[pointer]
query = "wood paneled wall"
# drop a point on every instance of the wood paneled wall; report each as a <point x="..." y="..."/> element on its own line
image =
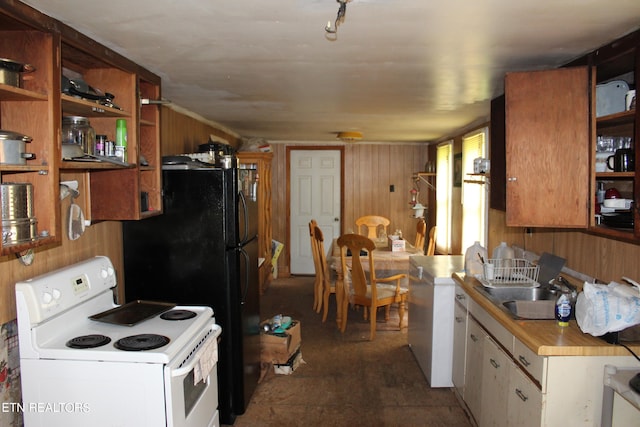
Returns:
<point x="181" y="133"/>
<point x="370" y="170"/>
<point x="104" y="238"/>
<point x="603" y="258"/>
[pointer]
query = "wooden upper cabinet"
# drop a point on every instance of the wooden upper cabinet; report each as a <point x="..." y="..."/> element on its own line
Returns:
<point x="33" y="110"/>
<point x="548" y="143"/>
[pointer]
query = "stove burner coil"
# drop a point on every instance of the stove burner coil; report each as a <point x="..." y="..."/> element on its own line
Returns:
<point x="88" y="341"/>
<point x="178" y="315"/>
<point x="141" y="342"/>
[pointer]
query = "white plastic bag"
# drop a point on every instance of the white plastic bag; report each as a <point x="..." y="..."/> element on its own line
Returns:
<point x="607" y="308"/>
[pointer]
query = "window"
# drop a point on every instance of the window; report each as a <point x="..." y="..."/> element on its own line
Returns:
<point x="474" y="195"/>
<point x="444" y="183"/>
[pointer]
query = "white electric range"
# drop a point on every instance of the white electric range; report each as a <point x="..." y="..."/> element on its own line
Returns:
<point x="86" y="361"/>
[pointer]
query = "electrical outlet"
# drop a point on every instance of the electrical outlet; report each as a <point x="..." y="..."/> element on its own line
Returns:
<point x="392" y="188"/>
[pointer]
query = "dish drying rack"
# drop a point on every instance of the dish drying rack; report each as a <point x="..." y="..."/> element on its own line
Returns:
<point x="499" y="273"/>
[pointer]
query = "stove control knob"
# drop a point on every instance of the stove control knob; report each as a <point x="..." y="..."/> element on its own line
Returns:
<point x="56" y="294"/>
<point x="47" y="297"/>
<point x="107" y="272"/>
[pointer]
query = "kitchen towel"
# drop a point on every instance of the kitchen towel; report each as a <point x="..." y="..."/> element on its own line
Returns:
<point x="207" y="361"/>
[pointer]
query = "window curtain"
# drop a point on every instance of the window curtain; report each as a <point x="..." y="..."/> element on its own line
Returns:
<point x="474" y="195"/>
<point x="444" y="188"/>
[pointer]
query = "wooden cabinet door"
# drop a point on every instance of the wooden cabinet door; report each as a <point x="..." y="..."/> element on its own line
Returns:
<point x="473" y="367"/>
<point x="459" y="346"/>
<point x="524" y="400"/>
<point x="495" y="385"/>
<point x="547" y="148"/>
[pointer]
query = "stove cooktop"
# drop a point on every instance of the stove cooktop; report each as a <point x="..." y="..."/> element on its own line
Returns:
<point x="154" y="340"/>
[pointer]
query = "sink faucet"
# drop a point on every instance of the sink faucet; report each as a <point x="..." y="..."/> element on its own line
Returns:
<point x="562" y="285"/>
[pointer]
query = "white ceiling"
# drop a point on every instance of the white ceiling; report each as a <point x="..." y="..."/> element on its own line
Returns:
<point x="411" y="70"/>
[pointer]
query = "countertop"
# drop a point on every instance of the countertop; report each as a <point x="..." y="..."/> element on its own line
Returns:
<point x="545" y="337"/>
<point x="441" y="266"/>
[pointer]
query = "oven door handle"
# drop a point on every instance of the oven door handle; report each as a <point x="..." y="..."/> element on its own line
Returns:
<point x="184" y="370"/>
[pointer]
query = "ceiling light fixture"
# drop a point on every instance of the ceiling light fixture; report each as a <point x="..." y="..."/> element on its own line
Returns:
<point x="350" y="136"/>
<point x="342" y="10"/>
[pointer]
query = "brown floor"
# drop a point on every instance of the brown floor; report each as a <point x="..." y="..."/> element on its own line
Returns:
<point x="345" y="379"/>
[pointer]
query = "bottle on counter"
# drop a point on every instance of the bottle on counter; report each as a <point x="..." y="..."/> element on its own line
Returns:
<point x="474" y="259"/>
<point x="563" y="310"/>
<point x="502" y="256"/>
<point x="503" y="251"/>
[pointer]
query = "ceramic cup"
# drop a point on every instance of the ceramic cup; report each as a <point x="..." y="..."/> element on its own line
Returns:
<point x="630" y="100"/>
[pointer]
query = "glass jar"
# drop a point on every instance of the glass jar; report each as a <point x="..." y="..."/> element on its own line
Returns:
<point x="77" y="130"/>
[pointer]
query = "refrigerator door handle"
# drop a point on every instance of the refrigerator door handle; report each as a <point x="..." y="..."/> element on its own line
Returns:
<point x="245" y="285"/>
<point x="243" y="202"/>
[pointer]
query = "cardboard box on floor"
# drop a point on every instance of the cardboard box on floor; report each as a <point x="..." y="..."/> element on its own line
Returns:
<point x="291" y="365"/>
<point x="278" y="348"/>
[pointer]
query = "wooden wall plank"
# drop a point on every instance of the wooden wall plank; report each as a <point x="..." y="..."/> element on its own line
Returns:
<point x="369" y="170"/>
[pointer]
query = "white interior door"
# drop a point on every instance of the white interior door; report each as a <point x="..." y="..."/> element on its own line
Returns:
<point x="315" y="194"/>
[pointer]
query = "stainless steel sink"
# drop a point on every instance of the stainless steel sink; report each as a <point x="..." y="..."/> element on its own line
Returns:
<point x="522" y="303"/>
<point x="519" y="294"/>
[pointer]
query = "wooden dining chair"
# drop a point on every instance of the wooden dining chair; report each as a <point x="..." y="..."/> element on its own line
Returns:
<point x="372" y="222"/>
<point x="328" y="276"/>
<point x="431" y="247"/>
<point x="317" y="284"/>
<point x="371" y="293"/>
<point x="421" y="233"/>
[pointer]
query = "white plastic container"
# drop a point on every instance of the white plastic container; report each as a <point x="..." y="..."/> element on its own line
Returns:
<point x="474" y="258"/>
<point x="503" y="251"/>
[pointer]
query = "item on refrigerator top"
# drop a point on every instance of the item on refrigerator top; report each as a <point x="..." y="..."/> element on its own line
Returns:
<point x="203" y="250"/>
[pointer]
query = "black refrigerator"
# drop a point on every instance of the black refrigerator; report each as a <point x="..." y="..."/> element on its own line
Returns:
<point x="203" y="250"/>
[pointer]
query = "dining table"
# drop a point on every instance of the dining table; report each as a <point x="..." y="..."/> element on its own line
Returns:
<point x="386" y="261"/>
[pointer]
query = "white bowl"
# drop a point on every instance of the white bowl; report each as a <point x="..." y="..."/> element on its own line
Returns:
<point x="617" y="203"/>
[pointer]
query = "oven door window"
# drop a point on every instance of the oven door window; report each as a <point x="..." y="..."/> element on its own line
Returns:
<point x="192" y="392"/>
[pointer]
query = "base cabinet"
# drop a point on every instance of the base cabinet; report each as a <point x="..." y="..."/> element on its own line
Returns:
<point x="459" y="340"/>
<point x="473" y="368"/>
<point x="507" y="384"/>
<point x="495" y="384"/>
<point x="524" y="400"/>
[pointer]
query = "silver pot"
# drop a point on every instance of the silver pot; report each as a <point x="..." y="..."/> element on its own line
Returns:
<point x="10" y="71"/>
<point x="17" y="200"/>
<point x="19" y="230"/>
<point x="13" y="148"/>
